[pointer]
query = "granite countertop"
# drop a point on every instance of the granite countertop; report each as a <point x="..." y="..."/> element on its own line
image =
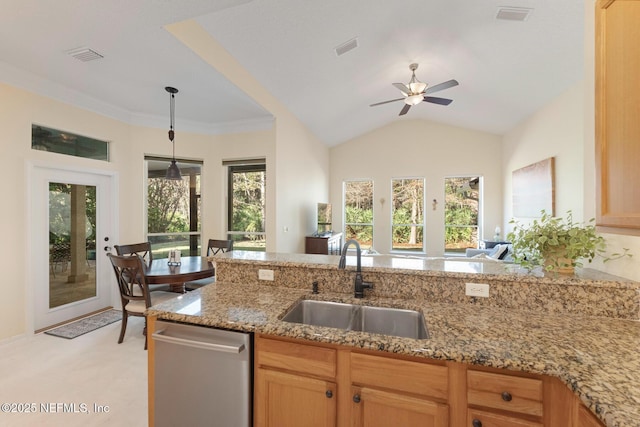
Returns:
<point x="597" y="357"/>
<point x="454" y="266"/>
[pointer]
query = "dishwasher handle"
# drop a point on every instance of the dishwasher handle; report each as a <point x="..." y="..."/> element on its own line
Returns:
<point x="160" y="336"/>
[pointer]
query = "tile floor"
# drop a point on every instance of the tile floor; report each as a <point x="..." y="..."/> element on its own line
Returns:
<point x="91" y="372"/>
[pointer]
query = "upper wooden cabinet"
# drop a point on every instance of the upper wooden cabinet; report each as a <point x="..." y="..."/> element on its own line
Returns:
<point x="618" y="113"/>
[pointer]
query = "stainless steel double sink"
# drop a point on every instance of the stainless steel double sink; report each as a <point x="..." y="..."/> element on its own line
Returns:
<point x="352" y="317"/>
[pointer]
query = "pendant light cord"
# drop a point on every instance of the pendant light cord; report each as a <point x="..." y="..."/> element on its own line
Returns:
<point x="172" y="112"/>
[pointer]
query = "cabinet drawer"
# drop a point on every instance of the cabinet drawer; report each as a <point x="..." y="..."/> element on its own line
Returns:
<point x="312" y="360"/>
<point x="516" y="394"/>
<point x="402" y="375"/>
<point x="487" y="419"/>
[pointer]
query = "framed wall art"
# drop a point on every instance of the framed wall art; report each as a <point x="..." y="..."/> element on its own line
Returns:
<point x="533" y="189"/>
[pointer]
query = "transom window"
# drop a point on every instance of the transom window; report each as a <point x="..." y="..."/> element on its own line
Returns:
<point x="71" y="144"/>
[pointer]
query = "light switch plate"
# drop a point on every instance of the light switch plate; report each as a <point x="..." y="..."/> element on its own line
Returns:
<point x="265" y="274"/>
<point x="477" y="290"/>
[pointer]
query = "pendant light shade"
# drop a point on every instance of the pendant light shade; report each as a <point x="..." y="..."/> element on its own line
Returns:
<point x="173" y="172"/>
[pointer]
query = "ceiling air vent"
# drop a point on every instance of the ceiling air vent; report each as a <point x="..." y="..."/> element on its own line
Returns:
<point x="513" y="13"/>
<point x="84" y="54"/>
<point x="347" y="46"/>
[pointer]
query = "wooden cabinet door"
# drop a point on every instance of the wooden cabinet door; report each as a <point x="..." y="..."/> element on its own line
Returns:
<point x="286" y="400"/>
<point x="587" y="419"/>
<point x="617" y="111"/>
<point x="375" y="408"/>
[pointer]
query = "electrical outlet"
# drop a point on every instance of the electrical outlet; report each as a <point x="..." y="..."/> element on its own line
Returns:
<point x="477" y="290"/>
<point x="265" y="274"/>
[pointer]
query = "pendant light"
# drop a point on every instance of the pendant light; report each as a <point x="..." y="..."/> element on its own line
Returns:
<point x="173" y="172"/>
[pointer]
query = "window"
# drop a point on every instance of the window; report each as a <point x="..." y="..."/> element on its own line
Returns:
<point x="407" y="226"/>
<point x="70" y="144"/>
<point x="247" y="204"/>
<point x="358" y="212"/>
<point x="462" y="205"/>
<point x="173" y="208"/>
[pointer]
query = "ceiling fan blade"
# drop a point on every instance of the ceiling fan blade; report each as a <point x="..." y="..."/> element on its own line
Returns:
<point x="436" y="100"/>
<point x="386" y="102"/>
<point x="404" y="110"/>
<point x="402" y="88"/>
<point x="441" y="86"/>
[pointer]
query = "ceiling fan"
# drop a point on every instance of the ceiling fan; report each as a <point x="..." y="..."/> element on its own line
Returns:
<point x="416" y="91"/>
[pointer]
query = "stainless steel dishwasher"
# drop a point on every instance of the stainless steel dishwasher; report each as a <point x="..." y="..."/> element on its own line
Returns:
<point x="202" y="376"/>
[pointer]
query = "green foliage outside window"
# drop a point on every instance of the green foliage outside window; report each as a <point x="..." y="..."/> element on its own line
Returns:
<point x="60" y="213"/>
<point x="358" y="211"/>
<point x="406" y="234"/>
<point x="248" y="201"/>
<point x="357" y="220"/>
<point x="167" y="206"/>
<point x="408" y="214"/>
<point x="461" y="213"/>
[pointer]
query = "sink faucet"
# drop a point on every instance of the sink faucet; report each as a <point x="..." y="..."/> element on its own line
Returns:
<point x="358" y="284"/>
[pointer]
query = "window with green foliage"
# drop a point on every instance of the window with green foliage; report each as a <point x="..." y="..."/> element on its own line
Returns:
<point x="71" y="144"/>
<point x="358" y="212"/>
<point x="408" y="214"/>
<point x="173" y="208"/>
<point x="247" y="205"/>
<point x="462" y="206"/>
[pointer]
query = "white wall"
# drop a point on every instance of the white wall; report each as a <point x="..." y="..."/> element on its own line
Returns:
<point x="418" y="148"/>
<point x="557" y="131"/>
<point x="565" y="128"/>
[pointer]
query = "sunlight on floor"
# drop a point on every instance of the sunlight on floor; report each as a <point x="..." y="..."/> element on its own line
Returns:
<point x="87" y="381"/>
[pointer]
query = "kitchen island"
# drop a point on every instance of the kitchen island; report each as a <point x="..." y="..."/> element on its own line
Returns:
<point x="583" y="330"/>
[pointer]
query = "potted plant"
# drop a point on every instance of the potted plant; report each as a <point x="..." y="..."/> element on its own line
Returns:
<point x="558" y="244"/>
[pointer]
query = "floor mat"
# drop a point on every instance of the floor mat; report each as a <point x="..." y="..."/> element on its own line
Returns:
<point x="86" y="325"/>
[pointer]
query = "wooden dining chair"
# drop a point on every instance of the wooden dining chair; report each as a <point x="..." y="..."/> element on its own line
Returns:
<point x="214" y="247"/>
<point x="143" y="250"/>
<point x="219" y="246"/>
<point x="134" y="291"/>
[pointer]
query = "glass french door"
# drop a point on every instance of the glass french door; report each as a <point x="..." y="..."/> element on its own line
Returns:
<point x="71" y="223"/>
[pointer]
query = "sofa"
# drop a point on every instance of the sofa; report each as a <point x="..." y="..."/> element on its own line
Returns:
<point x="500" y="252"/>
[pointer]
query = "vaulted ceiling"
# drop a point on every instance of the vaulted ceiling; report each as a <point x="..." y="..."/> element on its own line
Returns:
<point x="506" y="69"/>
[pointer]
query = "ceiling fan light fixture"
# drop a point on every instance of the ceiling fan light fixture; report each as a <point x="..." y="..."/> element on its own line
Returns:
<point x="415" y="92"/>
<point x="414" y="99"/>
<point x="416" y="86"/>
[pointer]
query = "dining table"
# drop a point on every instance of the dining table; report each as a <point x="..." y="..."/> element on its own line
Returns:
<point x="160" y="272"/>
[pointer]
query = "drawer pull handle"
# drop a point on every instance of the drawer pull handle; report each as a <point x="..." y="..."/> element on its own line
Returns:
<point x="356" y="398"/>
<point x="476" y="423"/>
<point x="329" y="394"/>
<point x="506" y="396"/>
